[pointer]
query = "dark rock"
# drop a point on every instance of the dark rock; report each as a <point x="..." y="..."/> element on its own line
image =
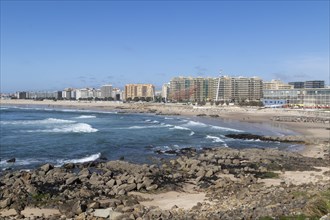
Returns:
<point x="12" y="160"/>
<point x="69" y="166"/>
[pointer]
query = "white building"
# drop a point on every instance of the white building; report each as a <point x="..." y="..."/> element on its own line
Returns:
<point x="106" y="91"/>
<point x="165" y="91"/>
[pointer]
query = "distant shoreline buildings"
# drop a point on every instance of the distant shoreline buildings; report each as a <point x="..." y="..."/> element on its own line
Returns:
<point x="219" y="90"/>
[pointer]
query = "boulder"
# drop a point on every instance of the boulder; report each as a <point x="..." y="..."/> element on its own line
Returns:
<point x="72" y="180"/>
<point x="111" y="183"/>
<point x="46" y="167"/>
<point x="5" y="203"/>
<point x="130" y="187"/>
<point x="102" y="213"/>
<point x="11" y="160"/>
<point x="209" y="173"/>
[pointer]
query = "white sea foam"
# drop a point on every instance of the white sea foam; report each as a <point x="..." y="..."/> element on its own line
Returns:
<point x="72" y="128"/>
<point x="86" y="116"/>
<point x="180" y="128"/>
<point x="3" y="108"/>
<point x="81" y="160"/>
<point x="35" y="122"/>
<point x="214" y="138"/>
<point x="191" y="133"/>
<point x="167" y="118"/>
<point x="149" y="126"/>
<point x="19" y="162"/>
<point x="226" y="129"/>
<point x="195" y="124"/>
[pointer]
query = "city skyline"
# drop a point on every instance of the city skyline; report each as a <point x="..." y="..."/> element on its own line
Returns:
<point x="53" y="45"/>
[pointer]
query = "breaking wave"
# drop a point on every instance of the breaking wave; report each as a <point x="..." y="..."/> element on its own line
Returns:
<point x="195" y="124"/>
<point x="180" y="128"/>
<point x="72" y="128"/>
<point x="81" y="160"/>
<point x="150" y="126"/>
<point x="36" y="122"/>
<point x="226" y="129"/>
<point x="86" y="116"/>
<point x="214" y="138"/>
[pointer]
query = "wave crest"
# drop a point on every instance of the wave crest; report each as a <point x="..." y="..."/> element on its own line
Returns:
<point x="81" y="160"/>
<point x="214" y="138"/>
<point x="86" y="116"/>
<point x="74" y="128"/>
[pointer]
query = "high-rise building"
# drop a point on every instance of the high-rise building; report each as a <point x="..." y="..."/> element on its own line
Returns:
<point x="139" y="91"/>
<point x="165" y="91"/>
<point x="106" y="91"/>
<point x="238" y="89"/>
<point x="67" y="94"/>
<point x="191" y="89"/>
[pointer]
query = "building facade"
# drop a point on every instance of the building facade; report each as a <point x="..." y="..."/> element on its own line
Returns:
<point x="308" y="84"/>
<point x="106" y="91"/>
<point x="191" y="89"/>
<point x="276" y="84"/>
<point x="165" y="91"/>
<point x="238" y="89"/>
<point x="315" y="97"/>
<point x="139" y="91"/>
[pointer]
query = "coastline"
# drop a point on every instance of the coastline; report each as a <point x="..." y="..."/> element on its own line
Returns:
<point x="254" y="182"/>
<point x="315" y="135"/>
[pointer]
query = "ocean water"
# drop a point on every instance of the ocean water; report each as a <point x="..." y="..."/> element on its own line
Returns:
<point x="35" y="136"/>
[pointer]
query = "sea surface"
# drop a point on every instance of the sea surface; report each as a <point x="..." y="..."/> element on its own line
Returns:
<point x="39" y="135"/>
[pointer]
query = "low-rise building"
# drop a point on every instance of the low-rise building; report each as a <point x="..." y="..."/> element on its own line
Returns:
<point x="315" y="97"/>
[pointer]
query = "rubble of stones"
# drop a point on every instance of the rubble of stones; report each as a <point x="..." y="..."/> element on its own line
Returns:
<point x="302" y="119"/>
<point x="80" y="191"/>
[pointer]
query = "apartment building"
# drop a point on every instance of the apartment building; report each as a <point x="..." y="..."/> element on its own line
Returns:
<point x="277" y="84"/>
<point x="139" y="91"/>
<point x="191" y="89"/>
<point x="165" y="91"/>
<point x="238" y="89"/>
<point x="106" y="91"/>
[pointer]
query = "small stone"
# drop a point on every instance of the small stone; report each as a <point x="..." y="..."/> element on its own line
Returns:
<point x="152" y="187"/>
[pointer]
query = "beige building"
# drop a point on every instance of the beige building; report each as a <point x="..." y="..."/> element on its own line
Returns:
<point x="276" y="84"/>
<point x="139" y="91"/>
<point x="192" y="89"/>
<point x="238" y="89"/>
<point x="224" y="88"/>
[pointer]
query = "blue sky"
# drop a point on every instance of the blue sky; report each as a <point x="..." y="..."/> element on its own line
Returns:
<point x="50" y="45"/>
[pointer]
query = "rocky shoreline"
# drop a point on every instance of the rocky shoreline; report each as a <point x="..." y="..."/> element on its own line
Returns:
<point x="226" y="184"/>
